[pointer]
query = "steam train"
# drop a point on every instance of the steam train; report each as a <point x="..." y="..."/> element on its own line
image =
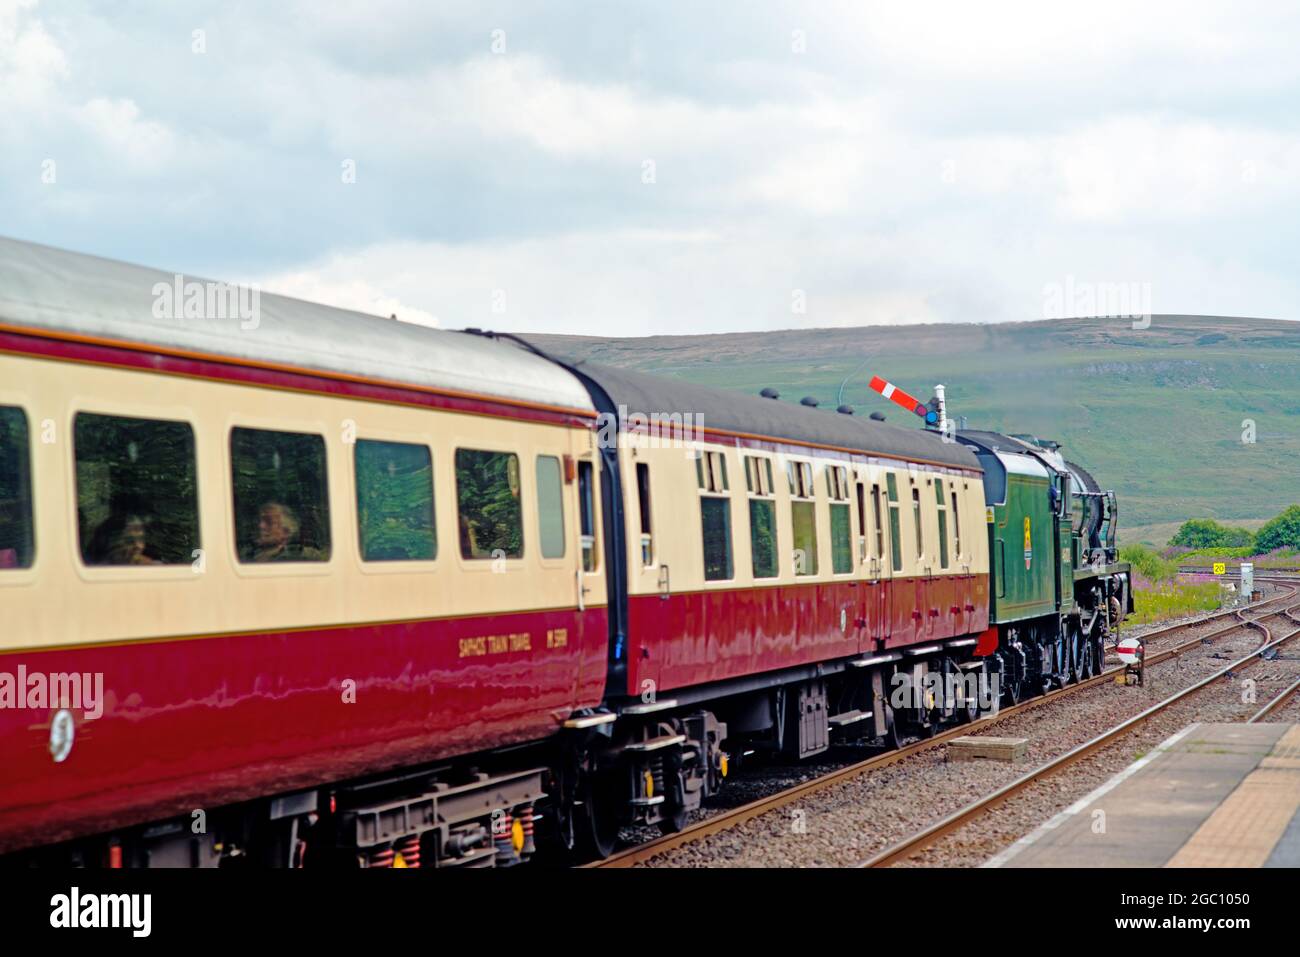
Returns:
<point x="298" y="586"/>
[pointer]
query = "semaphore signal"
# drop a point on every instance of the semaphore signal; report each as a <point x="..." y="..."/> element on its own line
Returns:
<point x="928" y="411"/>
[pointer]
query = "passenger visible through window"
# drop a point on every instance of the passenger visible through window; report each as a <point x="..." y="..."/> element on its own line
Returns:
<point x="281" y="496"/>
<point x="137" y="500"/>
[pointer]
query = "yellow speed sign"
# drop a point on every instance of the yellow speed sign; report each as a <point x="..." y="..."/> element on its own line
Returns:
<point x="1220" y="567"/>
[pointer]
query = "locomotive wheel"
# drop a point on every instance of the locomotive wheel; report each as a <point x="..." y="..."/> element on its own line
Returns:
<point x="1013" y="690"/>
<point x="1085" y="665"/>
<point x="1078" y="653"/>
<point x="1060" y="675"/>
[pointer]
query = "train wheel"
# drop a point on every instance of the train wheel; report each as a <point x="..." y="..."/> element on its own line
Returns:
<point x="1060" y="675"/>
<point x="893" y="738"/>
<point x="1087" y="667"/>
<point x="1078" y="652"/>
<point x="596" y="827"/>
<point x="671" y="825"/>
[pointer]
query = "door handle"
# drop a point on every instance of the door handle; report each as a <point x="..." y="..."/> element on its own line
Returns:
<point x="582" y="592"/>
<point x="663" y="582"/>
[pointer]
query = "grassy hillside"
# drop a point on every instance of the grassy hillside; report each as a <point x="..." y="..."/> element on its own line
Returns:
<point x="1154" y="413"/>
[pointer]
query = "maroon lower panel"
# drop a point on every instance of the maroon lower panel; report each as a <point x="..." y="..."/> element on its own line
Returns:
<point x="700" y="637"/>
<point x="198" y="723"/>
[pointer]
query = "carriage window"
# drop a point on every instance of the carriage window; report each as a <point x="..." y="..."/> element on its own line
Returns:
<point x="895" y="536"/>
<point x="550" y="506"/>
<point x="758" y="475"/>
<point x="587" y="515"/>
<point x="800" y="475"/>
<point x="762" y="537"/>
<point x="956" y="527"/>
<point x="880" y="525"/>
<point x="711" y="471"/>
<point x="488" y="504"/>
<point x="916" y="517"/>
<point x="715" y="517"/>
<point x="137" y="503"/>
<point x="762" y="517"/>
<point x="281" y="496"/>
<point x="837" y="486"/>
<point x="643" y="501"/>
<point x="394" y="501"/>
<point x="943" y="523"/>
<point x="17" y="545"/>
<point x="841" y="539"/>
<point x="803" y="520"/>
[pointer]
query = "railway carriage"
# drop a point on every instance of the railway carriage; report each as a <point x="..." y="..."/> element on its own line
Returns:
<point x="783" y="564"/>
<point x="305" y="586"/>
<point x="452" y="615"/>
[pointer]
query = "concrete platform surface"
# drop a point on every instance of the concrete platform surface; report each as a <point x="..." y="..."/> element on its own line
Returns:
<point x="1212" y="795"/>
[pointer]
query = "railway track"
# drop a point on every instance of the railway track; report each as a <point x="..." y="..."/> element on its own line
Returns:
<point x="921" y="839"/>
<point x="725" y="820"/>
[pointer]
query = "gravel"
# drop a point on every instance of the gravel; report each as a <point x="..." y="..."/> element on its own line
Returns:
<point x="849" y="822"/>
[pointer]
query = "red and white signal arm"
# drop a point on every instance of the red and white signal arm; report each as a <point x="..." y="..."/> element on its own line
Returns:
<point x="1129" y="650"/>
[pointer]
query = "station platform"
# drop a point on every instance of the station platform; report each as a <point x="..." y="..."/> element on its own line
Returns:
<point x="1212" y="795"/>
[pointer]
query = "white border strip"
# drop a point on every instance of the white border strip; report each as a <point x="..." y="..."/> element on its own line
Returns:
<point x="999" y="860"/>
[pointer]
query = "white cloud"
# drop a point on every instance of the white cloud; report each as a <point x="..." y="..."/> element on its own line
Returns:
<point x="917" y="163"/>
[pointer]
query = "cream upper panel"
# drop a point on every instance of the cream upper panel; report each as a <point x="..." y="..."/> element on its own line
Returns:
<point x="60" y="600"/>
<point x="676" y="522"/>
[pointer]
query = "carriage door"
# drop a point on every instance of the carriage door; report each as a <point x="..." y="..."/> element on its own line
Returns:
<point x="586" y="566"/>
<point x="863" y="564"/>
<point x="879" y="569"/>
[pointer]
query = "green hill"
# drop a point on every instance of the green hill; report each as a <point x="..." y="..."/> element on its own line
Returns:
<point x="1157" y="413"/>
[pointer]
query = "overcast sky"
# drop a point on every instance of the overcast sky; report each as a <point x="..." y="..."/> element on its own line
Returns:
<point x="667" y="167"/>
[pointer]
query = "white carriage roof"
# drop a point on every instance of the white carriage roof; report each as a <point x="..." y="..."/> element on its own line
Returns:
<point x="52" y="289"/>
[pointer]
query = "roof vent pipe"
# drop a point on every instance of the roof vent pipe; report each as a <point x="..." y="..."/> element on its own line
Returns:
<point x="770" y="393"/>
<point x="809" y="401"/>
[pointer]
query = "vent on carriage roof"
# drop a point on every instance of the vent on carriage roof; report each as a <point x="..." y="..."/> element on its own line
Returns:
<point x="809" y="401"/>
<point x="770" y="393"/>
<point x="845" y="410"/>
<point x="878" y="416"/>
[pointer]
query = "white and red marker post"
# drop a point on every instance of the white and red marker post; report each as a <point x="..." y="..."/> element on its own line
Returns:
<point x="1133" y="654"/>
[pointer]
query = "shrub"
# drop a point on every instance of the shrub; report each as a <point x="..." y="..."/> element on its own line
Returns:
<point x="1207" y="533"/>
<point x="1280" y="532"/>
<point x="1148" y="563"/>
